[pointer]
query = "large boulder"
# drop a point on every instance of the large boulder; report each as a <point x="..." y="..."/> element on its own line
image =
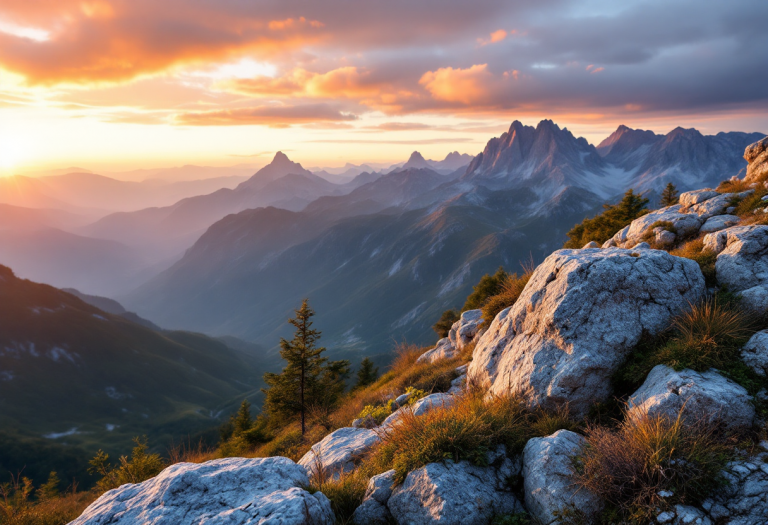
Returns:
<point x="444" y="349"/>
<point x="419" y="408"/>
<point x="719" y="222"/>
<point x="464" y="330"/>
<point x="714" y="206"/>
<point x="581" y="314"/>
<point x="699" y="395"/>
<point x="743" y="261"/>
<point x="755" y="353"/>
<point x="339" y="451"/>
<point x="456" y="493"/>
<point x="236" y="491"/>
<point x="757" y="156"/>
<point x="692" y="198"/>
<point x="549" y="479"/>
<point x="373" y="510"/>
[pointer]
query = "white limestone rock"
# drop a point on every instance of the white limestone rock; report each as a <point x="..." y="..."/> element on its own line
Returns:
<point x="664" y="237"/>
<point x="703" y="394"/>
<point x="420" y="407"/>
<point x="464" y="330"/>
<point x="683" y="224"/>
<point x="711" y="207"/>
<point x="578" y="318"/>
<point x="719" y="222"/>
<point x="373" y="510"/>
<point x="339" y="451"/>
<point x="590" y="244"/>
<point x="757" y="156"/>
<point x="743" y="263"/>
<point x="549" y="478"/>
<point x="691" y="198"/>
<point x="443" y="350"/>
<point x="755" y="299"/>
<point x="450" y="493"/>
<point x="755" y="353"/>
<point x="235" y="491"/>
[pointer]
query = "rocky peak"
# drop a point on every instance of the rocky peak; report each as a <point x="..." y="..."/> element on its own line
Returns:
<point x="417" y="161"/>
<point x="625" y="140"/>
<point x="757" y="156"/>
<point x="280" y="166"/>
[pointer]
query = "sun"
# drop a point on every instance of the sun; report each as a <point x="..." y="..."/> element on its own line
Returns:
<point x="12" y="153"/>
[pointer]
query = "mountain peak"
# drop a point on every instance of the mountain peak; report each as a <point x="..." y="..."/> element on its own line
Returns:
<point x="280" y="166"/>
<point x="417" y="161"/>
<point x="625" y="139"/>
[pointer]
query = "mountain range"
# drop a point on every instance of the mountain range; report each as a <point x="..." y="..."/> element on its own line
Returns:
<point x="380" y="262"/>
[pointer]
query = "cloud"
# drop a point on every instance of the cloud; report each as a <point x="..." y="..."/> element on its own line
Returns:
<point x="496" y="36"/>
<point x="414" y="142"/>
<point x="401" y="126"/>
<point x="466" y="86"/>
<point x="272" y="116"/>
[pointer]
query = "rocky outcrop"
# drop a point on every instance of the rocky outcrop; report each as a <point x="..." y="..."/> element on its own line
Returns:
<point x="683" y="224"/>
<point x="699" y="395"/>
<point x="374" y="510"/>
<point x="419" y="408"/>
<point x="444" y="349"/>
<point x="744" y="499"/>
<point x="549" y="479"/>
<point x="464" y="330"/>
<point x="339" y="451"/>
<point x="743" y="262"/>
<point x="450" y="493"/>
<point x="578" y="318"/>
<point x="719" y="222"/>
<point x="757" y="156"/>
<point x="235" y="491"/>
<point x="755" y="353"/>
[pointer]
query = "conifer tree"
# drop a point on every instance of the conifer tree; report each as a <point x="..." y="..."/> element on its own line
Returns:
<point x="308" y="378"/>
<point x="444" y="324"/>
<point x="50" y="489"/>
<point x="614" y="217"/>
<point x="367" y="374"/>
<point x="669" y="196"/>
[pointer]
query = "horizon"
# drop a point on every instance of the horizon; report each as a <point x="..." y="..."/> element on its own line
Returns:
<point x="102" y="85"/>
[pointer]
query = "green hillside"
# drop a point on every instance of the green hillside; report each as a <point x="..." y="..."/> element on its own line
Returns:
<point x="80" y="377"/>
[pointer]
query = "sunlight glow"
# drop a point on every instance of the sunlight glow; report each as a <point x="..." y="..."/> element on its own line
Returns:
<point x="245" y="68"/>
<point x="12" y="153"/>
<point x="38" y="35"/>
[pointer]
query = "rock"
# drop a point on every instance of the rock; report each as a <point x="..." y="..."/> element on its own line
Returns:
<point x="757" y="156"/>
<point x="590" y="244"/>
<point x="420" y="407"/>
<point x="450" y="493"/>
<point x="744" y="500"/>
<point x="443" y="350"/>
<point x="683" y="223"/>
<point x="610" y="243"/>
<point x="719" y="222"/>
<point x="704" y="395"/>
<point x="463" y="331"/>
<point x="687" y="515"/>
<point x="755" y="353"/>
<point x="642" y="246"/>
<point x="549" y="478"/>
<point x="365" y="422"/>
<point x="235" y="491"/>
<point x="578" y="318"/>
<point x="755" y="299"/>
<point x="690" y="198"/>
<point x="339" y="451"/>
<point x="457" y="385"/>
<point x="714" y="206"/>
<point x="401" y="400"/>
<point x="743" y="263"/>
<point x="664" y="237"/>
<point x="373" y="510"/>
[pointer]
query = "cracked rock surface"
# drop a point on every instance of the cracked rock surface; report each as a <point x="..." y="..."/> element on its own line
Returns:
<point x="578" y="318"/>
<point x="340" y="450"/>
<point x="235" y="491"/>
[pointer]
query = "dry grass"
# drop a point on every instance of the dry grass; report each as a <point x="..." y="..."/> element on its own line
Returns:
<point x="191" y="453"/>
<point x="706" y="259"/>
<point x="630" y="465"/>
<point x="733" y="186"/>
<point x="511" y="289"/>
<point x="345" y="490"/>
<point x="16" y="507"/>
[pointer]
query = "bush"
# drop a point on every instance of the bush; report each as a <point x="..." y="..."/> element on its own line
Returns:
<point x="488" y="286"/>
<point x="709" y="335"/>
<point x="706" y="259"/>
<point x="18" y="508"/>
<point x="511" y="289"/>
<point x="444" y="324"/>
<point x="605" y="225"/>
<point x="465" y="431"/>
<point x="346" y="492"/>
<point x="377" y="413"/>
<point x="631" y="465"/>
<point x="140" y="467"/>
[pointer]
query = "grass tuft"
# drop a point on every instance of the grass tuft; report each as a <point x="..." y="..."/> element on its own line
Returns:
<point x="706" y="259"/>
<point x="511" y="289"/>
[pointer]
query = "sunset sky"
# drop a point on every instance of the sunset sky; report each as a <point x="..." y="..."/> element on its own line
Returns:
<point x="119" y="84"/>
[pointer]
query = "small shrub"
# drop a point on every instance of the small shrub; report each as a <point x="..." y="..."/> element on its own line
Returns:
<point x="345" y="490"/>
<point x="629" y="466"/>
<point x="706" y="259"/>
<point x="289" y="444"/>
<point x="466" y="430"/>
<point x="511" y="289"/>
<point x="733" y="186"/>
<point x="488" y="286"/>
<point x="140" y="467"/>
<point x="444" y="324"/>
<point x="465" y="354"/>
<point x="18" y="508"/>
<point x="605" y="225"/>
<point x="745" y="207"/>
<point x="378" y="413"/>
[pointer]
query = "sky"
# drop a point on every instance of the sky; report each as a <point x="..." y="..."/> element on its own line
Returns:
<point x="124" y="84"/>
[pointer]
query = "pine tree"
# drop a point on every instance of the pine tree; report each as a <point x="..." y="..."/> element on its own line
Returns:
<point x="50" y="489"/>
<point x="308" y="379"/>
<point x="242" y="420"/>
<point x="602" y="227"/>
<point x="444" y="324"/>
<point x="367" y="374"/>
<point x="669" y="196"/>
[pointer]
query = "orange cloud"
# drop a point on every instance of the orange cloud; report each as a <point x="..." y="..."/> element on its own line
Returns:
<point x="272" y="116"/>
<point x="465" y="86"/>
<point x="496" y="36"/>
<point x="290" y="23"/>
